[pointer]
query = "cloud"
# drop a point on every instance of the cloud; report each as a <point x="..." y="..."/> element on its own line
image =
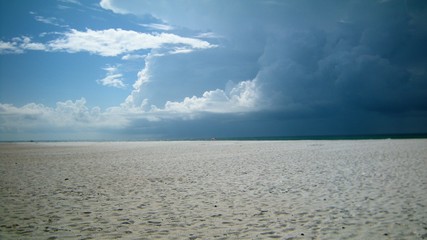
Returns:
<point x="133" y="56"/>
<point x="51" y="21"/>
<point x="76" y="116"/>
<point x="9" y="47"/>
<point x="111" y="6"/>
<point x="110" y="42"/>
<point x="199" y="15"/>
<point x="113" y="78"/>
<point x="113" y="42"/>
<point x="66" y="115"/>
<point x="340" y="58"/>
<point x="235" y="98"/>
<point x="314" y="73"/>
<point x="19" y="45"/>
<point x="75" y="2"/>
<point x="209" y="35"/>
<point x="158" y="26"/>
<point x="25" y="43"/>
<point x="180" y="50"/>
<point x="243" y="97"/>
<point x="136" y="101"/>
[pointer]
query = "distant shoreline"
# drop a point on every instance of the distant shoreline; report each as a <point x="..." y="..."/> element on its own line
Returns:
<point x="335" y="137"/>
<point x="256" y="138"/>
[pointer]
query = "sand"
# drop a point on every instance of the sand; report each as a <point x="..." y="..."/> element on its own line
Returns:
<point x="365" y="189"/>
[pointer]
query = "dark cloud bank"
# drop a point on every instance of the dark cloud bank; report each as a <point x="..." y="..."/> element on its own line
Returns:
<point x="340" y="67"/>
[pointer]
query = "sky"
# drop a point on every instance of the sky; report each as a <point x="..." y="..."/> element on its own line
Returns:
<point x="179" y="69"/>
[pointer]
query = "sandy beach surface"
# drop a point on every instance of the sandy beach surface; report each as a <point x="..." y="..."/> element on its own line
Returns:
<point x="364" y="189"/>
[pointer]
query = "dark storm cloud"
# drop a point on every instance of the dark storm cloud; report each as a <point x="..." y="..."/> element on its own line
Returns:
<point x="362" y="62"/>
<point x="330" y="67"/>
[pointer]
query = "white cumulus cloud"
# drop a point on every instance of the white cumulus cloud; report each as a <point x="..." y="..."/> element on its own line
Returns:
<point x="135" y="100"/>
<point x="9" y="47"/>
<point x="133" y="56"/>
<point x="113" y="78"/>
<point x="77" y="116"/>
<point x="242" y="97"/>
<point x="66" y="115"/>
<point x="27" y="44"/>
<point x="113" y="42"/>
<point x="109" y="42"/>
<point x="19" y="45"/>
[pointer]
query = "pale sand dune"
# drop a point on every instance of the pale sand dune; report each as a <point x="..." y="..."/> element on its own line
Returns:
<point x="214" y="190"/>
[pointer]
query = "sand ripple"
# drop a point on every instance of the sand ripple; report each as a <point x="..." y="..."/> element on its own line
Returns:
<point x="214" y="190"/>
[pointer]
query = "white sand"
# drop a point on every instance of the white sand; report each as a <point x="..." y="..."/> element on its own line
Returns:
<point x="373" y="189"/>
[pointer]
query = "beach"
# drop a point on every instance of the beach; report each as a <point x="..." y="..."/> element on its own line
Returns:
<point x="348" y="189"/>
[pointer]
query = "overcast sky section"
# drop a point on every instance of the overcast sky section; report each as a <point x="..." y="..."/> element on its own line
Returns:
<point x="239" y="69"/>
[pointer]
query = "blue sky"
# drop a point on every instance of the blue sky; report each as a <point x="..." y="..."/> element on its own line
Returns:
<point x="135" y="69"/>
